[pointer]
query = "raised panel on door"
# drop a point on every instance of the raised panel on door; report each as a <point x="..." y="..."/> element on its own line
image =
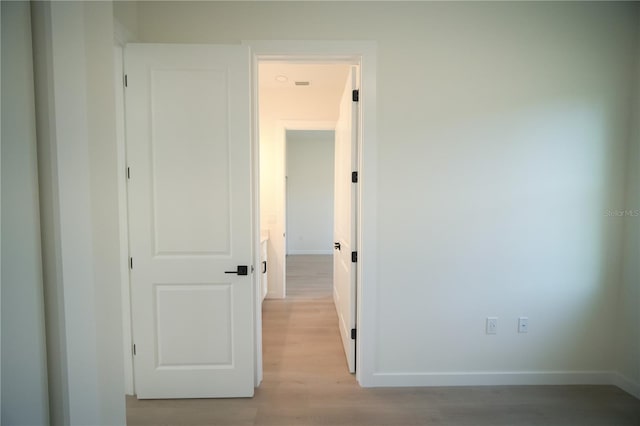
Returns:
<point x="179" y="343"/>
<point x="188" y="149"/>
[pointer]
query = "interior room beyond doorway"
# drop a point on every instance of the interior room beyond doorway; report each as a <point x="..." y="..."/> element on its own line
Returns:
<point x="299" y="107"/>
<point x="292" y="96"/>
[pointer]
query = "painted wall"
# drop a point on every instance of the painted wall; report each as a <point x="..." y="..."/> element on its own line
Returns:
<point x="310" y="191"/>
<point x="75" y="114"/>
<point x="125" y="15"/>
<point x="629" y="307"/>
<point x="502" y="138"/>
<point x="24" y="371"/>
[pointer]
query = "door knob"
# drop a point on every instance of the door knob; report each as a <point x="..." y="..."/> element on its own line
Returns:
<point x="242" y="270"/>
<point x="336" y="246"/>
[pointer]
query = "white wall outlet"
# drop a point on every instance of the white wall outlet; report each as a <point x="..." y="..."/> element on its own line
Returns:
<point x="492" y="325"/>
<point x="523" y="325"/>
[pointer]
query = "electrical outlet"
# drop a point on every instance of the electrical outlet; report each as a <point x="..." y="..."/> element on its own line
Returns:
<point x="523" y="325"/>
<point x="492" y="325"/>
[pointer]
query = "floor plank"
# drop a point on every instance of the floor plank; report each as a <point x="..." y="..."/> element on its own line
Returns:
<point x="306" y="382"/>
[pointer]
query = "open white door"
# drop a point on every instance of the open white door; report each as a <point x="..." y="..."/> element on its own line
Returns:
<point x="344" y="257"/>
<point x="189" y="195"/>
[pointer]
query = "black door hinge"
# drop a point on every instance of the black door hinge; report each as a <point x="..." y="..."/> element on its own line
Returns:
<point x="354" y="177"/>
<point x="353" y="334"/>
<point x="355" y="95"/>
<point x="134" y="348"/>
<point x="128" y="173"/>
<point x="126" y="81"/>
<point x="354" y="256"/>
<point x="131" y="263"/>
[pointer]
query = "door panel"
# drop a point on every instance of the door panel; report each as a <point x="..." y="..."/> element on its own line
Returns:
<point x="188" y="149"/>
<point x="183" y="103"/>
<point x="344" y="271"/>
<point x="181" y="344"/>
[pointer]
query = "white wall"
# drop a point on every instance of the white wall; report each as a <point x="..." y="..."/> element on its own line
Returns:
<point x="502" y="137"/>
<point x="310" y="161"/>
<point x="125" y="14"/>
<point x="629" y="302"/>
<point x="24" y="371"/>
<point x="73" y="51"/>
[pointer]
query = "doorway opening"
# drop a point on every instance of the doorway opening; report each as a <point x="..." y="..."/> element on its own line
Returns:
<point x="309" y="195"/>
<point x="308" y="138"/>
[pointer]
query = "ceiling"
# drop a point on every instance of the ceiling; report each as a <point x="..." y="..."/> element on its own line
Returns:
<point x="320" y="76"/>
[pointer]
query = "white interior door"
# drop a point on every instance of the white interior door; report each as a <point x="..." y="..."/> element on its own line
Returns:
<point x="344" y="270"/>
<point x="189" y="195"/>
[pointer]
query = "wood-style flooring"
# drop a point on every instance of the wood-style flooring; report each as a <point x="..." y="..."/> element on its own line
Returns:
<point x="306" y="382"/>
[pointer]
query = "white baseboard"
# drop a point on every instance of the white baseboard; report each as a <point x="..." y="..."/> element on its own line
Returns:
<point x="626" y="384"/>
<point x="274" y="295"/>
<point x="496" y="378"/>
<point x="298" y="252"/>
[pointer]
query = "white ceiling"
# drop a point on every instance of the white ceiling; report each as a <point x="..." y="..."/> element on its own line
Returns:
<point x="320" y="76"/>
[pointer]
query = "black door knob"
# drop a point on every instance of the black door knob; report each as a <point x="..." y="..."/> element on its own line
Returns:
<point x="242" y="270"/>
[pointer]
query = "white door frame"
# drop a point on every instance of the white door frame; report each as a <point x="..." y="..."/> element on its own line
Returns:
<point x="121" y="38"/>
<point x="363" y="53"/>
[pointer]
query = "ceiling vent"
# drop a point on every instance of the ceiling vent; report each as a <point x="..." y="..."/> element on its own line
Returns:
<point x="302" y="83"/>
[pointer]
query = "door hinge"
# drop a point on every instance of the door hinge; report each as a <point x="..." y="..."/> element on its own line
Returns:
<point x="354" y="256"/>
<point x="126" y="81"/>
<point x="134" y="348"/>
<point x="128" y="173"/>
<point x="354" y="333"/>
<point x="354" y="177"/>
<point x="131" y="263"/>
<point x="355" y="95"/>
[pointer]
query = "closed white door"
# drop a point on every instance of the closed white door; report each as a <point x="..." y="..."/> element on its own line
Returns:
<point x="188" y="152"/>
<point x="344" y="254"/>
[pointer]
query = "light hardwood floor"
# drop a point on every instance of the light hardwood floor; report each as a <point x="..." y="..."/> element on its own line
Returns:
<point x="306" y="382"/>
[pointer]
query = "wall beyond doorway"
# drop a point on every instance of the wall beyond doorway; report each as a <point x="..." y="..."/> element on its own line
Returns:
<point x="310" y="160"/>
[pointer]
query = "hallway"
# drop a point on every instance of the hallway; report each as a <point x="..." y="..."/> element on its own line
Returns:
<point x="306" y="382"/>
<point x="301" y="343"/>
